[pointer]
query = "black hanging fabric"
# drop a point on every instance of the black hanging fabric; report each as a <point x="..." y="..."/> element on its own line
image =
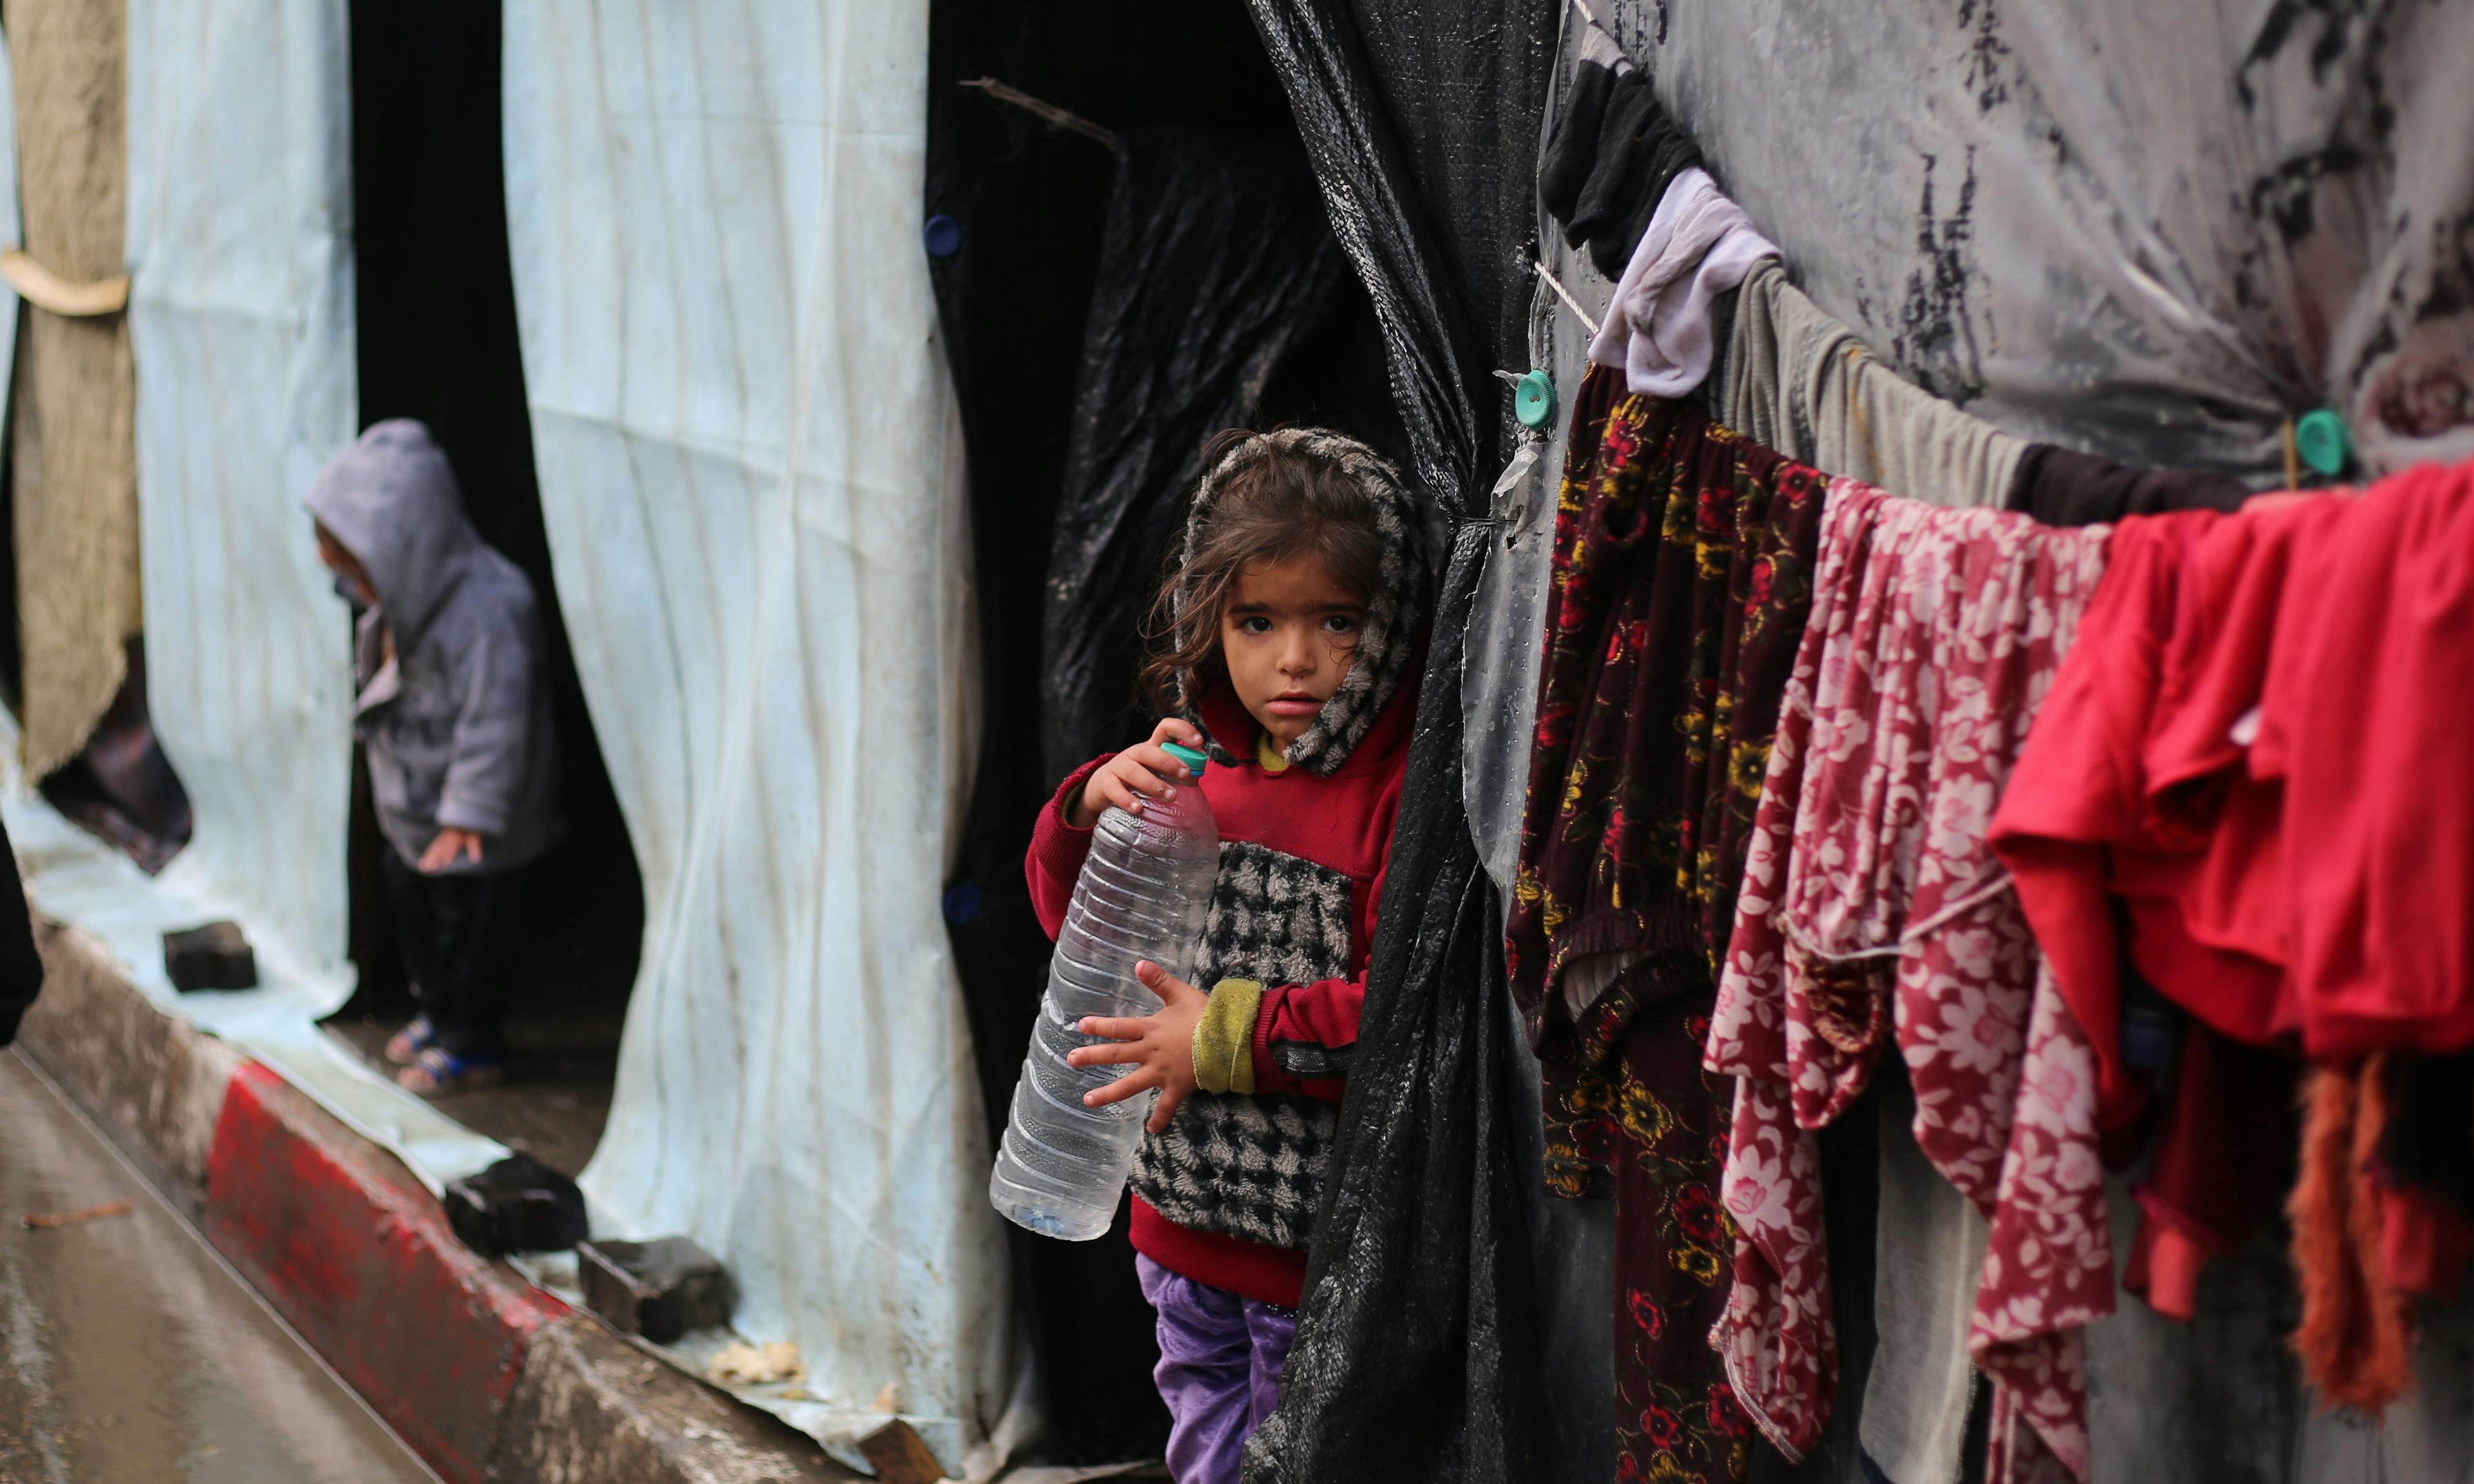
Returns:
<point x="2062" y="487"/>
<point x="1215" y="262"/>
<point x="21" y="967"/>
<point x="1613" y="153"/>
<point x="1414" y="1352"/>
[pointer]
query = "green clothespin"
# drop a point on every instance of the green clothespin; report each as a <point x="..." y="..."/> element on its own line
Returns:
<point x="2320" y="437"/>
<point x="1533" y="400"/>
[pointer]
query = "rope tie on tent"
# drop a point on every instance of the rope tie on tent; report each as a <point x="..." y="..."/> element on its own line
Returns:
<point x="1565" y="295"/>
<point x="1061" y="117"/>
<point x="46" y="290"/>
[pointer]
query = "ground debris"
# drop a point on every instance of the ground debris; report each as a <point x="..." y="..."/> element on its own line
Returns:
<point x="742" y="1364"/>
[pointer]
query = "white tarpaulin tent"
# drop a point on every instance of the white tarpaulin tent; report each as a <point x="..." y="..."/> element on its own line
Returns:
<point x="751" y="482"/>
<point x="241" y="321"/>
<point x="239" y="247"/>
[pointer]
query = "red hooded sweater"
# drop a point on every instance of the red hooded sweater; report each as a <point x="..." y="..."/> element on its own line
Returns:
<point x="1294" y="846"/>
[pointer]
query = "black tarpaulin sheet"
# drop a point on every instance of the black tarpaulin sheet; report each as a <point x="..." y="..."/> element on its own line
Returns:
<point x="1414" y="1346"/>
<point x="1414" y="1350"/>
<point x="1214" y="264"/>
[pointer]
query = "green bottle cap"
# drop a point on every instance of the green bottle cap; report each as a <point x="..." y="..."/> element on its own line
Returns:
<point x="1186" y="756"/>
<point x="2319" y="437"/>
<point x="1533" y="399"/>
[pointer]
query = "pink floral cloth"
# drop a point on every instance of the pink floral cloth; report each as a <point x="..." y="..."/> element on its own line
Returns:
<point x="1873" y="910"/>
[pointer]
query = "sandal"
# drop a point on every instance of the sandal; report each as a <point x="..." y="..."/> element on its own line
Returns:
<point x="438" y="1071"/>
<point x="405" y="1046"/>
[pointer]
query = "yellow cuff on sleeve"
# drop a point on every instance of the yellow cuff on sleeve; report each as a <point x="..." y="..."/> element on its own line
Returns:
<point x="1223" y="1043"/>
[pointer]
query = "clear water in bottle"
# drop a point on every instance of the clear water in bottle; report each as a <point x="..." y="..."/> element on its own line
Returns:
<point x="1144" y="894"/>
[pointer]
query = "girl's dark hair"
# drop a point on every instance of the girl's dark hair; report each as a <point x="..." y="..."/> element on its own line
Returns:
<point x="1276" y="504"/>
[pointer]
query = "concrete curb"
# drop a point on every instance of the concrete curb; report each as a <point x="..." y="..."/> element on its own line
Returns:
<point x="489" y="1379"/>
<point x="155" y="1082"/>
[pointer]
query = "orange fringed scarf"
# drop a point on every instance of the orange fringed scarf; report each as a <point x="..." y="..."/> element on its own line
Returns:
<point x="2356" y="1338"/>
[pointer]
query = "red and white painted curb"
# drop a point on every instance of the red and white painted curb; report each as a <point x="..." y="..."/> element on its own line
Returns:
<point x="356" y="1255"/>
<point x="484" y="1376"/>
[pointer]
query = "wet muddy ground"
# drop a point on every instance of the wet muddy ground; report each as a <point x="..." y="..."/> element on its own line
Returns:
<point x="130" y="1353"/>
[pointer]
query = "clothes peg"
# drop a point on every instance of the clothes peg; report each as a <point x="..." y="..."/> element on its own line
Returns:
<point x="2320" y="437"/>
<point x="1533" y="400"/>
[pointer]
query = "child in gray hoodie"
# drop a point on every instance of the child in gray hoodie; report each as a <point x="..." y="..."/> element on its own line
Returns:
<point x="451" y="666"/>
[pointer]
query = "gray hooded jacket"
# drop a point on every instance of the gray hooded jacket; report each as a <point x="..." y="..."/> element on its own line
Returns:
<point x="457" y="722"/>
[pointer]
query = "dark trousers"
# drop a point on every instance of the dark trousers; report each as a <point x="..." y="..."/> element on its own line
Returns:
<point x="459" y="935"/>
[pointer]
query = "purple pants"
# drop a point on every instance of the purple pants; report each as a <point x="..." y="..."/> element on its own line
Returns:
<point x="1219" y="1370"/>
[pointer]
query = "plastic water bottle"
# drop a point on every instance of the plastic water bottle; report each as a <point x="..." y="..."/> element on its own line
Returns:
<point x="1144" y="894"/>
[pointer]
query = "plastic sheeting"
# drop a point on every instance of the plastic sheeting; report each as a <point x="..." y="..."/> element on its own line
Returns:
<point x="241" y="322"/>
<point x="1414" y="1343"/>
<point x="1231" y="234"/>
<point x="1574" y="1239"/>
<point x="241" y="318"/>
<point x="2148" y="231"/>
<point x="751" y="483"/>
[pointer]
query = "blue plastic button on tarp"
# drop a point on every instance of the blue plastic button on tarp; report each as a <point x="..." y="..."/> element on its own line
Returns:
<point x="941" y="235"/>
<point x="1533" y="399"/>
<point x="963" y="903"/>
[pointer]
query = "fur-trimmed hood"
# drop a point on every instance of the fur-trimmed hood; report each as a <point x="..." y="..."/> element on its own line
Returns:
<point x="1395" y="614"/>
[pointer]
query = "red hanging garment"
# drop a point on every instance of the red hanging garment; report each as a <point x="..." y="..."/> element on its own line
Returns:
<point x="1874" y="912"/>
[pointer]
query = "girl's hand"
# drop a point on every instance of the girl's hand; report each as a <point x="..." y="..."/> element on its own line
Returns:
<point x="1142" y="771"/>
<point x="1161" y="1048"/>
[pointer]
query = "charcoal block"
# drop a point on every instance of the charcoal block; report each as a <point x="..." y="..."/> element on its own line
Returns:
<point x="517" y="1204"/>
<point x="659" y="1289"/>
<point x="214" y="957"/>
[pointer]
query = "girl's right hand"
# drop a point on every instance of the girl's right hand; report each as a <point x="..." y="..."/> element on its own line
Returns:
<point x="1144" y="770"/>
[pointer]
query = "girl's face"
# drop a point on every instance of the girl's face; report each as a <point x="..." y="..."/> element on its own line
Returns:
<point x="1288" y="637"/>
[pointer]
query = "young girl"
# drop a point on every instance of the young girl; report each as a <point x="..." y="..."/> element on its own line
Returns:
<point x="1291" y="627"/>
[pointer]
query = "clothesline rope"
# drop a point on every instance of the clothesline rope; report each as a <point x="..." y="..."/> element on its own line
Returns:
<point x="1914" y="933"/>
<point x="1564" y="294"/>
